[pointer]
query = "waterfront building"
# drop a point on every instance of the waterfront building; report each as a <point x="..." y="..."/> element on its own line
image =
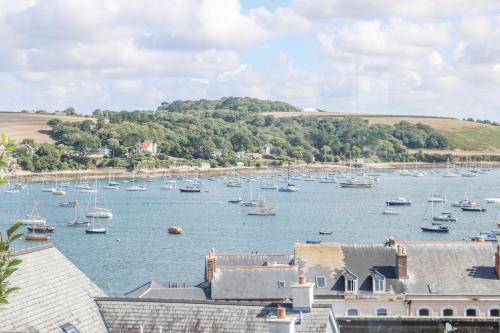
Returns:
<point x="410" y="279"/>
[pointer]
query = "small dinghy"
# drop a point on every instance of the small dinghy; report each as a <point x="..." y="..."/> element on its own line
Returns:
<point x="234" y="200"/>
<point x="175" y="231"/>
<point x="326" y="233"/>
<point x="436" y="228"/>
<point x="390" y="212"/>
<point x="37" y="238"/>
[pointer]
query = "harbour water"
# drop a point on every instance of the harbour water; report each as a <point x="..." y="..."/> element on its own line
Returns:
<point x="137" y="247"/>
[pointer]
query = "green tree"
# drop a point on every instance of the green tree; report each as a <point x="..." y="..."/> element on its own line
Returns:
<point x="8" y="265"/>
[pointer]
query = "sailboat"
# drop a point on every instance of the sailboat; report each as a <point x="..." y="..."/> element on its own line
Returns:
<point x="136" y="187"/>
<point x="168" y="184"/>
<point x="289" y="186"/>
<point x="112" y="185"/>
<point x="75" y="222"/>
<point x="448" y="173"/>
<point x="99" y="212"/>
<point x="93" y="230"/>
<point x="46" y="188"/>
<point x="57" y="190"/>
<point x="11" y="189"/>
<point x="32" y="218"/>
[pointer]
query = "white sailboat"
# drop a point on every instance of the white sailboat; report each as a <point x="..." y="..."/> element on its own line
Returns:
<point x="134" y="187"/>
<point x="111" y="185"/>
<point x="99" y="212"/>
<point x="11" y="189"/>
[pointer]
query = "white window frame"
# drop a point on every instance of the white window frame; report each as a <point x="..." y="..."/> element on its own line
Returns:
<point x="449" y="307"/>
<point x="357" y="311"/>
<point x="354" y="285"/>
<point x="317" y="284"/>
<point x="424" y="308"/>
<point x="386" y="312"/>
<point x="471" y="308"/>
<point x="493" y="308"/>
<point x="375" y="282"/>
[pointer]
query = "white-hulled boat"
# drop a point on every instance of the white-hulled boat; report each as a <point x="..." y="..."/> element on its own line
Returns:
<point x="464" y="203"/>
<point x="32" y="218"/>
<point x="398" y="202"/>
<point x="100" y="212"/>
<point x="390" y="211"/>
<point x="436" y="198"/>
<point x="445" y="217"/>
<point x="136" y="188"/>
<point x="493" y="200"/>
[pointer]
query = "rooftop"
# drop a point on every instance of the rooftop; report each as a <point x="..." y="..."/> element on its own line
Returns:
<point x="53" y="292"/>
<point x="128" y="315"/>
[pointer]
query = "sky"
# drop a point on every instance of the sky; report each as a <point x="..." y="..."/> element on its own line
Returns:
<point x="426" y="57"/>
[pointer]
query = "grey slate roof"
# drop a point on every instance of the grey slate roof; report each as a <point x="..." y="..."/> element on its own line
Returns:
<point x="333" y="260"/>
<point x="125" y="315"/>
<point x="465" y="268"/>
<point x="53" y="292"/>
<point x="251" y="259"/>
<point x="254" y="283"/>
<point x="153" y="289"/>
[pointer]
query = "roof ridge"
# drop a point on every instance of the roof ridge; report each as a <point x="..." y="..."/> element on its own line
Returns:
<point x="32" y="249"/>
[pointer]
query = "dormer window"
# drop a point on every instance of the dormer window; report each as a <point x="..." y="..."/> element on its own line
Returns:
<point x="378" y="282"/>
<point x="351" y="282"/>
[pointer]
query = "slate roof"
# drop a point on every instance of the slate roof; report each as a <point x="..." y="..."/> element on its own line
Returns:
<point x="464" y="268"/>
<point x="125" y="315"/>
<point x="333" y="260"/>
<point x="53" y="292"/>
<point x="251" y="259"/>
<point x="153" y="289"/>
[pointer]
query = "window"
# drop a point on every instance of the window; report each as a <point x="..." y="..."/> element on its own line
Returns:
<point x="378" y="285"/>
<point x="281" y="284"/>
<point x="424" y="312"/>
<point x="470" y="312"/>
<point x="494" y="312"/>
<point x="353" y="312"/>
<point x="447" y="312"/>
<point x="382" y="312"/>
<point x="320" y="282"/>
<point x="351" y="286"/>
<point x="69" y="328"/>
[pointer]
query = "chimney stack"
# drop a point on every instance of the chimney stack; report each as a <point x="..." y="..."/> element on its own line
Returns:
<point x="210" y="266"/>
<point x="401" y="263"/>
<point x="497" y="261"/>
<point x="281" y="323"/>
<point x="303" y="295"/>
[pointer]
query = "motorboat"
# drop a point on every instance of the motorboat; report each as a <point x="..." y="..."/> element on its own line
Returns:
<point x="40" y="228"/>
<point x="137" y="188"/>
<point x="58" y="192"/>
<point x="175" y="230"/>
<point x="288" y="188"/>
<point x="445" y="217"/>
<point x="473" y="209"/>
<point x="436" y="228"/>
<point x="390" y="212"/>
<point x="234" y="183"/>
<point x="234" y="200"/>
<point x="398" y="202"/>
<point x="263" y="211"/>
<point x="493" y="200"/>
<point x="326" y="233"/>
<point x="436" y="199"/>
<point x="464" y="203"/>
<point x="356" y="183"/>
<point x="95" y="231"/>
<point x="485" y="236"/>
<point x="190" y="189"/>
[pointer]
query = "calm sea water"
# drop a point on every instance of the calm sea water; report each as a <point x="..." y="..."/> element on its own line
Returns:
<point x="137" y="247"/>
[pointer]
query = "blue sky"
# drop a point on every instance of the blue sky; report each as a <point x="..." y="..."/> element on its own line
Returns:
<point x="430" y="57"/>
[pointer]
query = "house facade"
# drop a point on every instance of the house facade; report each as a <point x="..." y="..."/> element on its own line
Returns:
<point x="408" y="279"/>
<point x="146" y="146"/>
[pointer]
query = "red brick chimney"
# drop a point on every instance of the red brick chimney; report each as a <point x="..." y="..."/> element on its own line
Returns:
<point x="211" y="264"/>
<point x="281" y="313"/>
<point x="497" y="261"/>
<point x="401" y="263"/>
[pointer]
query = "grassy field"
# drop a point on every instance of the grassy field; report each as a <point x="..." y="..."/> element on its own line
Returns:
<point x="19" y="126"/>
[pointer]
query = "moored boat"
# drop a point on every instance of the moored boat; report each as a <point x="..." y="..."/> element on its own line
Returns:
<point x="473" y="209"/>
<point x="356" y="183"/>
<point x="390" y="212"/>
<point x="437" y="228"/>
<point x="325" y="233"/>
<point x="445" y="217"/>
<point x="175" y="230"/>
<point x="37" y="238"/>
<point x="190" y="189"/>
<point x="493" y="200"/>
<point x="398" y="202"/>
<point x="41" y="228"/>
<point x="263" y="211"/>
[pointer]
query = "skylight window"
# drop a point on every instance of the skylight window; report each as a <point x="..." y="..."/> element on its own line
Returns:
<point x="69" y="328"/>
<point x="320" y="282"/>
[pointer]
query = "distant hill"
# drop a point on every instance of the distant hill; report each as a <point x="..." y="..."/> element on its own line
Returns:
<point x="21" y="125"/>
<point x="244" y="104"/>
<point x="464" y="136"/>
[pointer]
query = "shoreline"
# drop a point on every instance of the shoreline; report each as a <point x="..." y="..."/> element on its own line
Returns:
<point x="186" y="171"/>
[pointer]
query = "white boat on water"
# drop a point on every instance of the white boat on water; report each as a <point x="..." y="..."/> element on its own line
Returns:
<point x="436" y="198"/>
<point x="390" y="211"/>
<point x="493" y="200"/>
<point x="464" y="203"/>
<point x="32" y="218"/>
<point x="136" y="188"/>
<point x="99" y="212"/>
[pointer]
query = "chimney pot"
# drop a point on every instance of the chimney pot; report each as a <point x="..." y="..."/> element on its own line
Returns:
<point x="302" y="279"/>
<point x="281" y="312"/>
